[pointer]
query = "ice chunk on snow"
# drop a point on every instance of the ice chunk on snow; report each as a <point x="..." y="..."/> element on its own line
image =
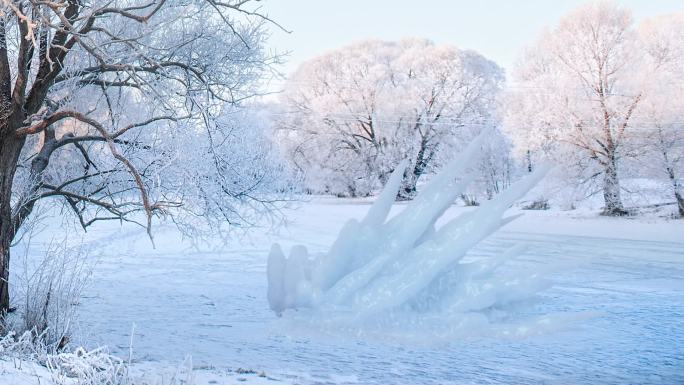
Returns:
<point x="405" y="265"/>
<point x="276" y="276"/>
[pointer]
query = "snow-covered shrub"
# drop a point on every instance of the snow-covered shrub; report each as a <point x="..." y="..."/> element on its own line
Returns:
<point x="23" y="346"/>
<point x="46" y="290"/>
<point x="84" y="367"/>
<point x="380" y="271"/>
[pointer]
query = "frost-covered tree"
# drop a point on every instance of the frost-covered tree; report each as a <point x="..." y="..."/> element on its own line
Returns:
<point x="352" y="114"/>
<point x="576" y="94"/>
<point x="662" y="112"/>
<point x="118" y="108"/>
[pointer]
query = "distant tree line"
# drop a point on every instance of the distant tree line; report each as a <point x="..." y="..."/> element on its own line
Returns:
<point x="597" y="95"/>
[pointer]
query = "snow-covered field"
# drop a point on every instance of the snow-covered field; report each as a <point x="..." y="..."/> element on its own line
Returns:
<point x="623" y="278"/>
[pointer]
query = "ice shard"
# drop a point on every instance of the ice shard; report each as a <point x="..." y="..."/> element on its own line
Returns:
<point x="380" y="265"/>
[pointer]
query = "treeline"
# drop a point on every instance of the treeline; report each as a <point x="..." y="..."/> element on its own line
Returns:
<point x="598" y="95"/>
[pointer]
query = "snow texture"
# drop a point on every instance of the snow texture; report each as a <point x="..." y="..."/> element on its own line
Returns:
<point x="406" y="272"/>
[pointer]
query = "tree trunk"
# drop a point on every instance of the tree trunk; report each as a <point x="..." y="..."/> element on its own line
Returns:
<point x="680" y="203"/>
<point x="676" y="188"/>
<point x="611" y="190"/>
<point x="10" y="149"/>
<point x="4" y="275"/>
<point x="409" y="186"/>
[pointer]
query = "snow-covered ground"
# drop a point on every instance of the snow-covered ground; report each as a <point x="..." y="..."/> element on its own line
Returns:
<point x="624" y="277"/>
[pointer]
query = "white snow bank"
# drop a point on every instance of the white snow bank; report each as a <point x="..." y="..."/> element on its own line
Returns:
<point x="23" y="372"/>
<point x="18" y="372"/>
<point x="97" y="367"/>
<point x="406" y="275"/>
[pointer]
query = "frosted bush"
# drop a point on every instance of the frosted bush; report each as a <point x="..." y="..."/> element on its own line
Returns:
<point x="22" y="346"/>
<point x="47" y="289"/>
<point x="405" y="271"/>
<point x="82" y="366"/>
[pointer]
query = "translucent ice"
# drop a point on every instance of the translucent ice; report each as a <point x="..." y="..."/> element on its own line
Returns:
<point x="405" y="267"/>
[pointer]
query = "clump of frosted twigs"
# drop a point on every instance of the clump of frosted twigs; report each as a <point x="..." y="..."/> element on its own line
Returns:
<point x="21" y="346"/>
<point x="47" y="289"/>
<point x="92" y="367"/>
<point x="80" y="367"/>
<point x="84" y="367"/>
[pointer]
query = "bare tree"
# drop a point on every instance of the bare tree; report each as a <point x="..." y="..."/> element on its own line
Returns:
<point x="103" y="101"/>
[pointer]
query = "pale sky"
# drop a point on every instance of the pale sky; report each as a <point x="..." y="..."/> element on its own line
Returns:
<point x="498" y="29"/>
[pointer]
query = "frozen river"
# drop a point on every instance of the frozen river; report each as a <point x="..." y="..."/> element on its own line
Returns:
<point x="212" y="305"/>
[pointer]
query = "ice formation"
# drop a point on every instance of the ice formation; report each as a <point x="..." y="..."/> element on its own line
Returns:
<point x="404" y="266"/>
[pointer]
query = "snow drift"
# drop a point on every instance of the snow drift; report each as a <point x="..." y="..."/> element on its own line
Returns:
<point x="405" y="269"/>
